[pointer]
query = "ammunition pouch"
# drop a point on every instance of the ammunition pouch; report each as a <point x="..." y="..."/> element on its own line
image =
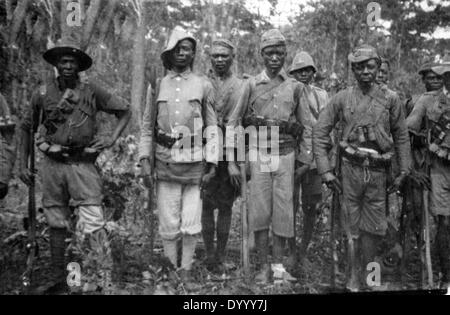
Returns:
<point x="68" y="155"/>
<point x="372" y="160"/>
<point x="440" y="134"/>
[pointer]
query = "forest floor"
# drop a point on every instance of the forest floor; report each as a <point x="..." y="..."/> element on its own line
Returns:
<point x="136" y="272"/>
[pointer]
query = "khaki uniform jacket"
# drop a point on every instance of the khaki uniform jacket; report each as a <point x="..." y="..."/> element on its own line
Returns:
<point x="317" y="101"/>
<point x="281" y="99"/>
<point x="378" y="108"/>
<point x="185" y="103"/>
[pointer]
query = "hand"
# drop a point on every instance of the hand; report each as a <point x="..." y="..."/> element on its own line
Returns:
<point x="332" y="182"/>
<point x="420" y="179"/>
<point x="300" y="171"/>
<point x="146" y="173"/>
<point x="26" y="176"/>
<point x="235" y="174"/>
<point x="398" y="182"/>
<point x="102" y="143"/>
<point x="209" y="175"/>
<point x="206" y="179"/>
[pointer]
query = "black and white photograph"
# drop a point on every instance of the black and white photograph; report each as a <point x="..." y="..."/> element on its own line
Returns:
<point x="225" y="152"/>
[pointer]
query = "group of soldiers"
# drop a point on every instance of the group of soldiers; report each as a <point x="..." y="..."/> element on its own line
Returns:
<point x="350" y="142"/>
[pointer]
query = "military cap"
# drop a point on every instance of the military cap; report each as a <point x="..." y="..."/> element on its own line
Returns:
<point x="302" y="60"/>
<point x="67" y="46"/>
<point x="272" y="37"/>
<point x="175" y="37"/>
<point x="444" y="66"/>
<point x="224" y="43"/>
<point x="363" y="53"/>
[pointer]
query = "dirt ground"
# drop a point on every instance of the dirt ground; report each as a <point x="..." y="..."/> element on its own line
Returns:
<point x="135" y="272"/>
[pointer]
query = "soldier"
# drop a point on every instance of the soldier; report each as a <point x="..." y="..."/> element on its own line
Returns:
<point x="224" y="187"/>
<point x="7" y="148"/>
<point x="433" y="110"/>
<point x="184" y="100"/>
<point x="431" y="81"/>
<point x="272" y="99"/>
<point x="384" y="72"/>
<point x="303" y="70"/>
<point x="63" y="112"/>
<point x="373" y="126"/>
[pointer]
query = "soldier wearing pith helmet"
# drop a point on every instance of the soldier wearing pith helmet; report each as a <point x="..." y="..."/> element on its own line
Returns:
<point x="303" y="70"/>
<point x="373" y="128"/>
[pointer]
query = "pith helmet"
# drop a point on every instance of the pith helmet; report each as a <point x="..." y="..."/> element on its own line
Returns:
<point x="302" y="60"/>
<point x="177" y="36"/>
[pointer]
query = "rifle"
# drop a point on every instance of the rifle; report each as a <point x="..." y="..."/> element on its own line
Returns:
<point x="31" y="246"/>
<point x="426" y="218"/>
<point x="151" y="205"/>
<point x="245" y="255"/>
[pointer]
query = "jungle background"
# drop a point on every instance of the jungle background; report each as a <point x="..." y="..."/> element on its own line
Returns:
<point x="125" y="39"/>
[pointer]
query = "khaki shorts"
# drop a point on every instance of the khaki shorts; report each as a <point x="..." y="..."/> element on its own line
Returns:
<point x="179" y="209"/>
<point x="77" y="184"/>
<point x="271" y="197"/>
<point x="365" y="201"/>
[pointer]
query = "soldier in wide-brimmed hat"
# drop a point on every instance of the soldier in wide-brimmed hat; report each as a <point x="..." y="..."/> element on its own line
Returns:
<point x="63" y="112"/>
<point x="184" y="105"/>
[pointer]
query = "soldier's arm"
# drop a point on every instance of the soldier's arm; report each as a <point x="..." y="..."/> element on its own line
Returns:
<point x="400" y="134"/>
<point x="111" y="104"/>
<point x="212" y="130"/>
<point x="415" y="119"/>
<point x="240" y="110"/>
<point x="303" y="116"/>
<point x="322" y="142"/>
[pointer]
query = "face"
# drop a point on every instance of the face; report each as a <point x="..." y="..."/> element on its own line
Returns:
<point x="383" y="73"/>
<point x="274" y="58"/>
<point x="432" y="81"/>
<point x="366" y="71"/>
<point x="183" y="54"/>
<point x="68" y="66"/>
<point x="304" y="75"/>
<point x="221" y="59"/>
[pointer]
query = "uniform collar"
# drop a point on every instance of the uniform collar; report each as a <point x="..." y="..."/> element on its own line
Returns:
<point x="183" y="75"/>
<point x="212" y="74"/>
<point x="446" y="92"/>
<point x="264" y="78"/>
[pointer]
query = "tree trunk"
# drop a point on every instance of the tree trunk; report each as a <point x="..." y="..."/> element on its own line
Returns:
<point x="17" y="19"/>
<point x="109" y="15"/>
<point x="137" y="88"/>
<point x="335" y="46"/>
<point x="89" y="22"/>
